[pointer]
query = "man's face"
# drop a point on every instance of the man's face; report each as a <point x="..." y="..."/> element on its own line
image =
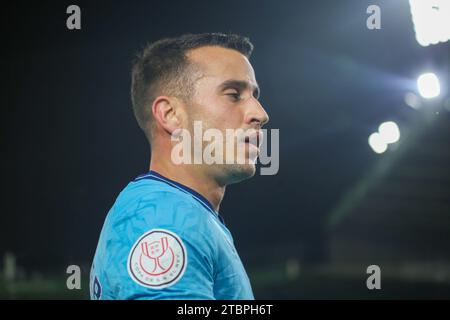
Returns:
<point x="226" y="97"/>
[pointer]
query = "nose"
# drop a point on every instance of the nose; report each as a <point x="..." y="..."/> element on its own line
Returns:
<point x="256" y="114"/>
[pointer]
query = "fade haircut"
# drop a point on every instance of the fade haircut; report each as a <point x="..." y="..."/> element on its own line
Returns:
<point x="162" y="68"/>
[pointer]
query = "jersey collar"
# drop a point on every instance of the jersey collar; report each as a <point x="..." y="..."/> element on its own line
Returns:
<point x="153" y="175"/>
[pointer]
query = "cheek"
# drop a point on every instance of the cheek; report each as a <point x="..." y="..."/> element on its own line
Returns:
<point x="227" y="117"/>
<point x="216" y="112"/>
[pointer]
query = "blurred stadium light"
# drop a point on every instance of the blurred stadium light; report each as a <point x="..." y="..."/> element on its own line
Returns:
<point x="412" y="100"/>
<point x="389" y="132"/>
<point x="377" y="143"/>
<point x="428" y="85"/>
<point x="431" y="20"/>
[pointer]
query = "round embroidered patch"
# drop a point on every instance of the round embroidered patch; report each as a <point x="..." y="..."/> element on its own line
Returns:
<point x="157" y="259"/>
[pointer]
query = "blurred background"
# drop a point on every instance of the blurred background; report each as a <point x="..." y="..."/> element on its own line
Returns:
<point x="364" y="119"/>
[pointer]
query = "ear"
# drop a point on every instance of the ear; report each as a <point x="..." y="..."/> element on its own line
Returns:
<point x="164" y="110"/>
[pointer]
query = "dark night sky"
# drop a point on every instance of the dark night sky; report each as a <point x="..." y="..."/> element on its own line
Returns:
<point x="70" y="142"/>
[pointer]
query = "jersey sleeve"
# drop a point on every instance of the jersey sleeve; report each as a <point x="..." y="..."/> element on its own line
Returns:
<point x="161" y="251"/>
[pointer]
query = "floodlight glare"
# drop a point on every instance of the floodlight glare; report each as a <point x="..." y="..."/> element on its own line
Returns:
<point x="376" y="143"/>
<point x="412" y="100"/>
<point x="428" y="85"/>
<point x="389" y="132"/>
<point x="431" y="20"/>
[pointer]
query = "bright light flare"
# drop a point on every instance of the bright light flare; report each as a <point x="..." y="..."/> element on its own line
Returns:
<point x="412" y="100"/>
<point x="389" y="132"/>
<point x="428" y="85"/>
<point x="431" y="20"/>
<point x="377" y="143"/>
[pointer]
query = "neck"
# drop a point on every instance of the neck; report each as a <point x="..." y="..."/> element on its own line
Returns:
<point x="194" y="179"/>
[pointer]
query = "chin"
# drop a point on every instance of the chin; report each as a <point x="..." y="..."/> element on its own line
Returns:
<point x="239" y="172"/>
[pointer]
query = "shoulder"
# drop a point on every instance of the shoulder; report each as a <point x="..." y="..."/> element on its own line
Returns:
<point x="154" y="235"/>
<point x="147" y="205"/>
<point x="151" y="201"/>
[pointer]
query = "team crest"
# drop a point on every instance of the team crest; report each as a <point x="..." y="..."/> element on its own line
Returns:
<point x="158" y="259"/>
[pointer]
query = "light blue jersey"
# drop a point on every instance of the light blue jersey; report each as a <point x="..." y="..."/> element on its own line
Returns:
<point x="163" y="240"/>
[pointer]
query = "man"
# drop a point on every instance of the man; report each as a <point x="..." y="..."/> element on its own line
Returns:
<point x="163" y="238"/>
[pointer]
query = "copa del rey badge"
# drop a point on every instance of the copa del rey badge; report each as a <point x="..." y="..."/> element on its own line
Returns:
<point x="157" y="259"/>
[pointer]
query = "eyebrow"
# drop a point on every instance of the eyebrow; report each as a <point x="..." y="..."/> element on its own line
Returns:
<point x="241" y="85"/>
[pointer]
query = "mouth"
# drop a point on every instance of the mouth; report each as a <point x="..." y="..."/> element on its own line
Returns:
<point x="253" y="142"/>
<point x="254" y="139"/>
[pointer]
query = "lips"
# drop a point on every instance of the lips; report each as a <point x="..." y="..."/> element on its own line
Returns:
<point x="254" y="138"/>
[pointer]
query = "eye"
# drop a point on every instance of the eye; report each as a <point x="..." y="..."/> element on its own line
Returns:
<point x="235" y="96"/>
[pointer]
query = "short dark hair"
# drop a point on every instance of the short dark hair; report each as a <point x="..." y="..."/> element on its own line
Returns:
<point x="162" y="67"/>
